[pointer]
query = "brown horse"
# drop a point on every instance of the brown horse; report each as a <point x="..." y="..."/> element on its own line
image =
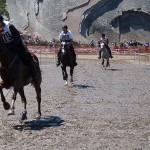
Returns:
<point x="66" y="61"/>
<point x="15" y="74"/>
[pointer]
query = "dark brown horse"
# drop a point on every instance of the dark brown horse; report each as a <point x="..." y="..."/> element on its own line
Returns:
<point x="15" y="74"/>
<point x="66" y="61"/>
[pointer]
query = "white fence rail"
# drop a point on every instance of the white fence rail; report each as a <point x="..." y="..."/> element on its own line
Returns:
<point x="130" y="54"/>
<point x="140" y="58"/>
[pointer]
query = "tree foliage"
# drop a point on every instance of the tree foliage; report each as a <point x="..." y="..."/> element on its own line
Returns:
<point x="3" y="8"/>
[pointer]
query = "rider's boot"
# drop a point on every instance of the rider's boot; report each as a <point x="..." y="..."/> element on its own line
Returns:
<point x="110" y="54"/>
<point x="58" y="61"/>
<point x="99" y="55"/>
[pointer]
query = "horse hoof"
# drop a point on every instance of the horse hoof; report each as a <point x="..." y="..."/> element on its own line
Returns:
<point x="6" y="105"/>
<point x="66" y="83"/>
<point x="11" y="112"/>
<point x="107" y="65"/>
<point x="24" y="116"/>
<point x="38" y="117"/>
<point x="71" y="80"/>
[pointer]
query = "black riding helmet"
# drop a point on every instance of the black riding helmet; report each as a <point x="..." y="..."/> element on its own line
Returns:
<point x="65" y="26"/>
<point x="1" y="18"/>
<point x="103" y="34"/>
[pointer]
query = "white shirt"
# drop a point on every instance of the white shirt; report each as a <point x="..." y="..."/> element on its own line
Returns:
<point x="65" y="36"/>
<point x="6" y="34"/>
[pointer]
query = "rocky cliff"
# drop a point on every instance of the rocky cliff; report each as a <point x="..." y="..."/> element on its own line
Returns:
<point x="119" y="19"/>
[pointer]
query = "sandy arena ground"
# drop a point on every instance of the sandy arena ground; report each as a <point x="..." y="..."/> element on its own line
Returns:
<point x="102" y="110"/>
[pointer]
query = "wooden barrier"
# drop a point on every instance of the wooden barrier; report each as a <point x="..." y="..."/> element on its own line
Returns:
<point x="138" y="54"/>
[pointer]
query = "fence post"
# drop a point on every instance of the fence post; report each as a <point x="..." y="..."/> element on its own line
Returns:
<point x="149" y="59"/>
<point x="134" y="56"/>
<point x="40" y="57"/>
<point x="145" y="59"/>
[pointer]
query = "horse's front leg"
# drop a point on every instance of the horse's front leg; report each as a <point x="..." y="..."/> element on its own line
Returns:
<point x="71" y="73"/>
<point x="12" y="109"/>
<point x="6" y="105"/>
<point x="99" y="54"/>
<point x="65" y="75"/>
<point x="24" y="102"/>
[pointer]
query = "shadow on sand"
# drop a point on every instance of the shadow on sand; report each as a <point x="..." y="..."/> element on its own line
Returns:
<point x="47" y="121"/>
<point x="81" y="86"/>
<point x="114" y="69"/>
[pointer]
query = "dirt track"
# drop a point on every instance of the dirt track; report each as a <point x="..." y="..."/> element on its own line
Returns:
<point x="102" y="110"/>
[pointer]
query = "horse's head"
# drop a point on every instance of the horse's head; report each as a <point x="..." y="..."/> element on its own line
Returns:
<point x="102" y="45"/>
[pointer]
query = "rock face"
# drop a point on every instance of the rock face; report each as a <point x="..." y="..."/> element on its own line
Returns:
<point x="119" y="19"/>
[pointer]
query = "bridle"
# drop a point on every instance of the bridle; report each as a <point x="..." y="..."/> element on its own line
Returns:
<point x="63" y="47"/>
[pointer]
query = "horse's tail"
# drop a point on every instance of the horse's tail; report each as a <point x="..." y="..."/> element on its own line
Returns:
<point x="38" y="71"/>
<point x="36" y="59"/>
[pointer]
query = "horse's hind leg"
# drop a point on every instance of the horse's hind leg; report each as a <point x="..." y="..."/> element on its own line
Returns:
<point x="12" y="109"/>
<point x="71" y="73"/>
<point x="107" y="63"/>
<point x="38" y="97"/>
<point x="103" y="62"/>
<point x="24" y="102"/>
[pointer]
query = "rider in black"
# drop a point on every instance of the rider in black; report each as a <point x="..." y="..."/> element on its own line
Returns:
<point x="13" y="42"/>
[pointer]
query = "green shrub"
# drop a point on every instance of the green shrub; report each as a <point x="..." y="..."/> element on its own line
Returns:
<point x="3" y="8"/>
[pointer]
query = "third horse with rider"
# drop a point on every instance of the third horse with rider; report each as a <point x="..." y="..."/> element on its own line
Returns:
<point x="105" y="40"/>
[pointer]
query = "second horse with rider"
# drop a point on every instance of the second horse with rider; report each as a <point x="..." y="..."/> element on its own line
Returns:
<point x="66" y="36"/>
